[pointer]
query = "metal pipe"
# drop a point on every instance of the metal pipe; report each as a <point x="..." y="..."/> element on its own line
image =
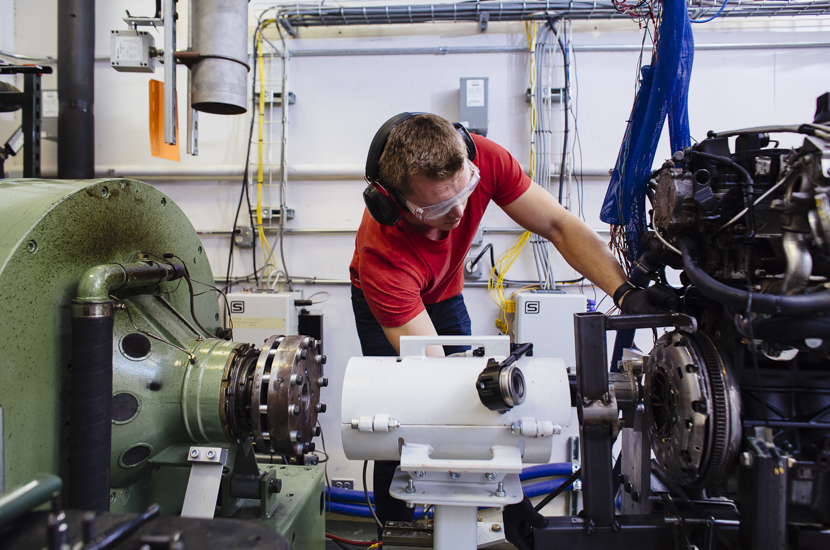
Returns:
<point x="799" y="262"/>
<point x="21" y="500"/>
<point x="170" y="118"/>
<point x="220" y="28"/>
<point x="76" y="89"/>
<point x="97" y="283"/>
<point x="303" y="172"/>
<point x="446" y="50"/>
<point x="346" y="231"/>
<point x="587" y="48"/>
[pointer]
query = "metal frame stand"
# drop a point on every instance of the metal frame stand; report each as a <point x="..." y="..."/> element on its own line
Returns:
<point x="31" y="99"/>
<point x="599" y="526"/>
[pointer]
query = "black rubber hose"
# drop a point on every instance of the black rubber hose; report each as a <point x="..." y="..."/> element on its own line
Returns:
<point x="90" y="427"/>
<point x="800" y="304"/>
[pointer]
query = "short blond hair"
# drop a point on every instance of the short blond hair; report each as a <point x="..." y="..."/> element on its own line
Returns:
<point x="426" y="145"/>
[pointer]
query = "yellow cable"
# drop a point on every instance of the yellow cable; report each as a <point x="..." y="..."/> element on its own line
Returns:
<point x="530" y="29"/>
<point x="266" y="247"/>
<point x="495" y="284"/>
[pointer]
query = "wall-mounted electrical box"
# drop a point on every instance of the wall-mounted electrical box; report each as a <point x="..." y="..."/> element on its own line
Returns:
<point x="130" y="51"/>
<point x="474" y="104"/>
<point x="258" y="315"/>
<point x="546" y="318"/>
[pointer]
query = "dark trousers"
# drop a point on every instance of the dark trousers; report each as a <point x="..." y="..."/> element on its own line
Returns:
<point x="449" y="318"/>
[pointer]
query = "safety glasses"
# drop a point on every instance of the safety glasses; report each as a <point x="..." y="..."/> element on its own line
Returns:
<point x="430" y="213"/>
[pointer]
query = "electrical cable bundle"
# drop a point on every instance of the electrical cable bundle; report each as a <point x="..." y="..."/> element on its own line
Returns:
<point x="495" y="284"/>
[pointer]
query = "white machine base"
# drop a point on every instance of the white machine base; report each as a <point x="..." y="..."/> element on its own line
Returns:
<point x="456" y="505"/>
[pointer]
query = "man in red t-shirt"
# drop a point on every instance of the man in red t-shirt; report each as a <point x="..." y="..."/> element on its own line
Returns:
<point x="430" y="183"/>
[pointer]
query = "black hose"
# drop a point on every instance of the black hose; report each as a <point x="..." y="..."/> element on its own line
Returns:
<point x="90" y="427"/>
<point x="800" y="304"/>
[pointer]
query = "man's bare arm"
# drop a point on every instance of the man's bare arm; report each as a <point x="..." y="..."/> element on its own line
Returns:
<point x="420" y="325"/>
<point x="537" y="211"/>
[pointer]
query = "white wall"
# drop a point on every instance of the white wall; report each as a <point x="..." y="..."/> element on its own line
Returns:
<point x="341" y="101"/>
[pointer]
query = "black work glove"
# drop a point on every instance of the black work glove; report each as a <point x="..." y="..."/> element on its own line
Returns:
<point x="519" y="521"/>
<point x="639" y="301"/>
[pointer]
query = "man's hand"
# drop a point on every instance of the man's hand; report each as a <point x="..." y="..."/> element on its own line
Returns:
<point x="639" y="301"/>
<point x="519" y="521"/>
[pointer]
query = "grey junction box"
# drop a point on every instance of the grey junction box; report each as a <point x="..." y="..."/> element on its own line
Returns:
<point x="472" y="111"/>
<point x="130" y="51"/>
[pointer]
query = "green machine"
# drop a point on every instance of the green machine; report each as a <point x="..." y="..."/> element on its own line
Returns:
<point x="117" y="376"/>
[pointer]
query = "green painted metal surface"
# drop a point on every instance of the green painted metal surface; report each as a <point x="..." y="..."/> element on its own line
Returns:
<point x="51" y="232"/>
<point x="301" y="509"/>
<point x="167" y="389"/>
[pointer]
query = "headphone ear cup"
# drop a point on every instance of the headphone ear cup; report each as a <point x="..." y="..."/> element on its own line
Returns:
<point x="383" y="208"/>
<point x="468" y="140"/>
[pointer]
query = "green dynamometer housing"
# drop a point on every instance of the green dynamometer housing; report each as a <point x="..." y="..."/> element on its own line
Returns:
<point x="175" y="383"/>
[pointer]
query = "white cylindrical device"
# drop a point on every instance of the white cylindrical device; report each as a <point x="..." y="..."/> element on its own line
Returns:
<point x="388" y="402"/>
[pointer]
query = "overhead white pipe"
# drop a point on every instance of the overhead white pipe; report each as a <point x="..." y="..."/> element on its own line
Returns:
<point x="299" y="172"/>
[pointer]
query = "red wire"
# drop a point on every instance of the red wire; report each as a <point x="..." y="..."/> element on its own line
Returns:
<point x="354" y="542"/>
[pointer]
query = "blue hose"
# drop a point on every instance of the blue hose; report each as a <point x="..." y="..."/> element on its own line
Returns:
<point x="341" y="498"/>
<point x="363" y="511"/>
<point x="546" y="470"/>
<point x="532" y="472"/>
<point x="543" y="488"/>
<point x="349" y="495"/>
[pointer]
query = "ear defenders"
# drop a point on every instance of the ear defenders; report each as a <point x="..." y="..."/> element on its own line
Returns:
<point x="383" y="204"/>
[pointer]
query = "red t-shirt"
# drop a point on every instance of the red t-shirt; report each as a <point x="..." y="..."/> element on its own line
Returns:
<point x="399" y="269"/>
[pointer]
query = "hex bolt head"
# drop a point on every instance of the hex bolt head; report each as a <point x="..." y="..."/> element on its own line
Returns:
<point x="295" y="436"/>
<point x="321" y="359"/>
<point x="211" y="454"/>
<point x="491" y="476"/>
<point x="322" y="381"/>
<point x="500" y="489"/>
<point x="296" y="379"/>
<point x="303" y="354"/>
<point x="635" y="496"/>
<point x="317" y="431"/>
<point x="274" y="485"/>
<point x="746" y="460"/>
<point x="194" y="453"/>
<point x="321" y="407"/>
<point x="294" y="410"/>
<point x="410" y="486"/>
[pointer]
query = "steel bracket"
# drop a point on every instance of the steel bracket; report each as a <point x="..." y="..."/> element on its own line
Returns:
<point x="205" y="478"/>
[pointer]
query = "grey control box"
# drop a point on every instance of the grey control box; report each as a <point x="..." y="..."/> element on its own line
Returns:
<point x="474" y="104"/>
<point x="132" y="51"/>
